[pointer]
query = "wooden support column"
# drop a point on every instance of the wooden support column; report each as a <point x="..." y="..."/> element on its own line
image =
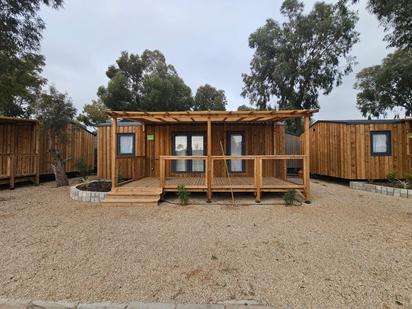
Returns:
<point x="258" y="177"/>
<point x="37" y="153"/>
<point x="209" y="161"/>
<point x="306" y="160"/>
<point x="113" y="149"/>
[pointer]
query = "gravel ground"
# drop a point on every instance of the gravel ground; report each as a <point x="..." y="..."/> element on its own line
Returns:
<point x="348" y="249"/>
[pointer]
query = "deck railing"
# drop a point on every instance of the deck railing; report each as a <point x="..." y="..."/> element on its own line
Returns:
<point x="278" y="182"/>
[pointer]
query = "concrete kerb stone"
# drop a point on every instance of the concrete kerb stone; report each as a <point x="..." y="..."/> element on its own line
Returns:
<point x="86" y="196"/>
<point x="396" y="192"/>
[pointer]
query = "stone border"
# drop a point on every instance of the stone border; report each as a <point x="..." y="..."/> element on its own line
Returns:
<point x="86" y="196"/>
<point x="32" y="304"/>
<point x="397" y="192"/>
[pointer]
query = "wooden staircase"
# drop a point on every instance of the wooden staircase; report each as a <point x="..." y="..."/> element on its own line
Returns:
<point x="132" y="197"/>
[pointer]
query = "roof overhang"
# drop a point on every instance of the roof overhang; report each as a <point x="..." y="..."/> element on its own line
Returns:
<point x="5" y="119"/>
<point x="214" y="116"/>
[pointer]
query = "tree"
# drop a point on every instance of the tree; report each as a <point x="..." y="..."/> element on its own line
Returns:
<point x="304" y="56"/>
<point x="145" y="83"/>
<point x="209" y="98"/>
<point x="245" y="108"/>
<point x="395" y="17"/>
<point x="55" y="111"/>
<point x="93" y="114"/>
<point x="20" y="65"/>
<point x="386" y="86"/>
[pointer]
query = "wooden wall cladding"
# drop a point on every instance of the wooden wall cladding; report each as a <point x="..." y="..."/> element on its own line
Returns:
<point x="344" y="151"/>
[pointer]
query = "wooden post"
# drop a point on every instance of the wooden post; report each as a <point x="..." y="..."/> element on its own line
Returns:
<point x="113" y="160"/>
<point x="306" y="160"/>
<point x="162" y="172"/>
<point x="258" y="178"/>
<point x="37" y="153"/>
<point x="209" y="159"/>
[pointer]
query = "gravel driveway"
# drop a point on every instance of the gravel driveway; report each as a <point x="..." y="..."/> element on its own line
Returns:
<point x="350" y="249"/>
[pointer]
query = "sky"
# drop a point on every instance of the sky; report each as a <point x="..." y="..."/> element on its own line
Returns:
<point x="205" y="40"/>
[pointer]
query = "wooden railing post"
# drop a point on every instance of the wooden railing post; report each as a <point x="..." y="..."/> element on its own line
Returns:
<point x="258" y="177"/>
<point x="114" y="152"/>
<point x="162" y="172"/>
<point x="209" y="159"/>
<point x="306" y="160"/>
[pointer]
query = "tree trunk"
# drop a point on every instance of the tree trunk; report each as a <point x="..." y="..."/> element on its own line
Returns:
<point x="57" y="163"/>
<point x="58" y="170"/>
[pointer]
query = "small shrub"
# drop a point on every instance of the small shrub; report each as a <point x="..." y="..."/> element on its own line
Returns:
<point x="183" y="194"/>
<point x="289" y="197"/>
<point x="392" y="177"/>
<point x="83" y="170"/>
<point x="408" y="178"/>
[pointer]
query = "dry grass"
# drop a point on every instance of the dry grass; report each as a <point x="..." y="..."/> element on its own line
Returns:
<point x="348" y="249"/>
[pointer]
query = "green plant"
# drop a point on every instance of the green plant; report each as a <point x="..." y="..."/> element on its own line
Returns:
<point x="83" y="169"/>
<point x="408" y="178"/>
<point x="392" y="177"/>
<point x="183" y="194"/>
<point x="289" y="197"/>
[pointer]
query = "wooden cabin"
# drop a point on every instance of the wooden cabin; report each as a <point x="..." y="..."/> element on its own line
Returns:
<point x="361" y="149"/>
<point x="24" y="150"/>
<point x="207" y="152"/>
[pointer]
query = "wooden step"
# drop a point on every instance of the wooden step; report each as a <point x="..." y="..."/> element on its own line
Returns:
<point x="119" y="202"/>
<point x="133" y="195"/>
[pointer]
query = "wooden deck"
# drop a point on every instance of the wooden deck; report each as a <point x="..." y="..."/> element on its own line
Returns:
<point x="220" y="184"/>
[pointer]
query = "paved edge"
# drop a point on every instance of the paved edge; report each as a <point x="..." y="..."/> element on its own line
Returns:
<point x="37" y="304"/>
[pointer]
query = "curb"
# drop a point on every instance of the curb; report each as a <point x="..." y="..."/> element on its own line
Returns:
<point x="391" y="191"/>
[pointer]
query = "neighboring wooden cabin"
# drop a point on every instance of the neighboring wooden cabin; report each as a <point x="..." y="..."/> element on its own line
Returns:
<point x="361" y="149"/>
<point x="204" y="151"/>
<point x="24" y="150"/>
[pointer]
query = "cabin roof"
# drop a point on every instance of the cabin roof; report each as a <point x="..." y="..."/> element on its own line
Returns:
<point x="120" y="123"/>
<point x="363" y="121"/>
<point x="214" y="116"/>
<point x="16" y="120"/>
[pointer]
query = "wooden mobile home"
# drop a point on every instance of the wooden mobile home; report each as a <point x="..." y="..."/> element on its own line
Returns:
<point x="361" y="149"/>
<point x="24" y="150"/>
<point x="204" y="151"/>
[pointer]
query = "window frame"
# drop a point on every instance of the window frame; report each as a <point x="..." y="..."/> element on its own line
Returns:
<point x="229" y="150"/>
<point x="189" y="163"/>
<point x="388" y="151"/>
<point x="118" y="137"/>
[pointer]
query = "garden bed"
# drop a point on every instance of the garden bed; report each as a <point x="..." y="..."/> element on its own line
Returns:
<point x="93" y="191"/>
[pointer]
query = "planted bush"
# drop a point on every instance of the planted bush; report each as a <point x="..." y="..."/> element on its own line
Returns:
<point x="289" y="197"/>
<point x="183" y="194"/>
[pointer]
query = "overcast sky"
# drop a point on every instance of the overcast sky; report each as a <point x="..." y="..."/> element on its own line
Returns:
<point x="206" y="41"/>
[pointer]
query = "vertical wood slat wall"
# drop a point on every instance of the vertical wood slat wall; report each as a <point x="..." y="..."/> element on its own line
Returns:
<point x="18" y="137"/>
<point x="343" y="150"/>
<point x="259" y="139"/>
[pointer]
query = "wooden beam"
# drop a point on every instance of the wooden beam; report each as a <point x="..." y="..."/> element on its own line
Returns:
<point x="306" y="159"/>
<point x="113" y="158"/>
<point x="209" y="159"/>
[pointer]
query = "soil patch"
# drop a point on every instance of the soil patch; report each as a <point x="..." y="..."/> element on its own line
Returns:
<point x="96" y="186"/>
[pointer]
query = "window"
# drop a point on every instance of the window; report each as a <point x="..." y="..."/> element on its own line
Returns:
<point x="189" y="145"/>
<point x="236" y="148"/>
<point x="381" y="143"/>
<point x="125" y="144"/>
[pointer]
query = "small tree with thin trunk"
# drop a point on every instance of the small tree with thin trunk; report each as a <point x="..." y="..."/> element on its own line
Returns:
<point x="55" y="111"/>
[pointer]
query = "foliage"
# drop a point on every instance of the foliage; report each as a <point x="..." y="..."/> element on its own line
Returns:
<point x="145" y="83"/>
<point x="245" y="108"/>
<point x="183" y="194"/>
<point x="391" y="177"/>
<point x="83" y="170"/>
<point x="305" y="55"/>
<point x="209" y="98"/>
<point x="93" y="113"/>
<point x="386" y="86"/>
<point x="55" y="111"/>
<point x="408" y="178"/>
<point x="20" y="65"/>
<point x="395" y="17"/>
<point x="20" y="83"/>
<point x="289" y="197"/>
